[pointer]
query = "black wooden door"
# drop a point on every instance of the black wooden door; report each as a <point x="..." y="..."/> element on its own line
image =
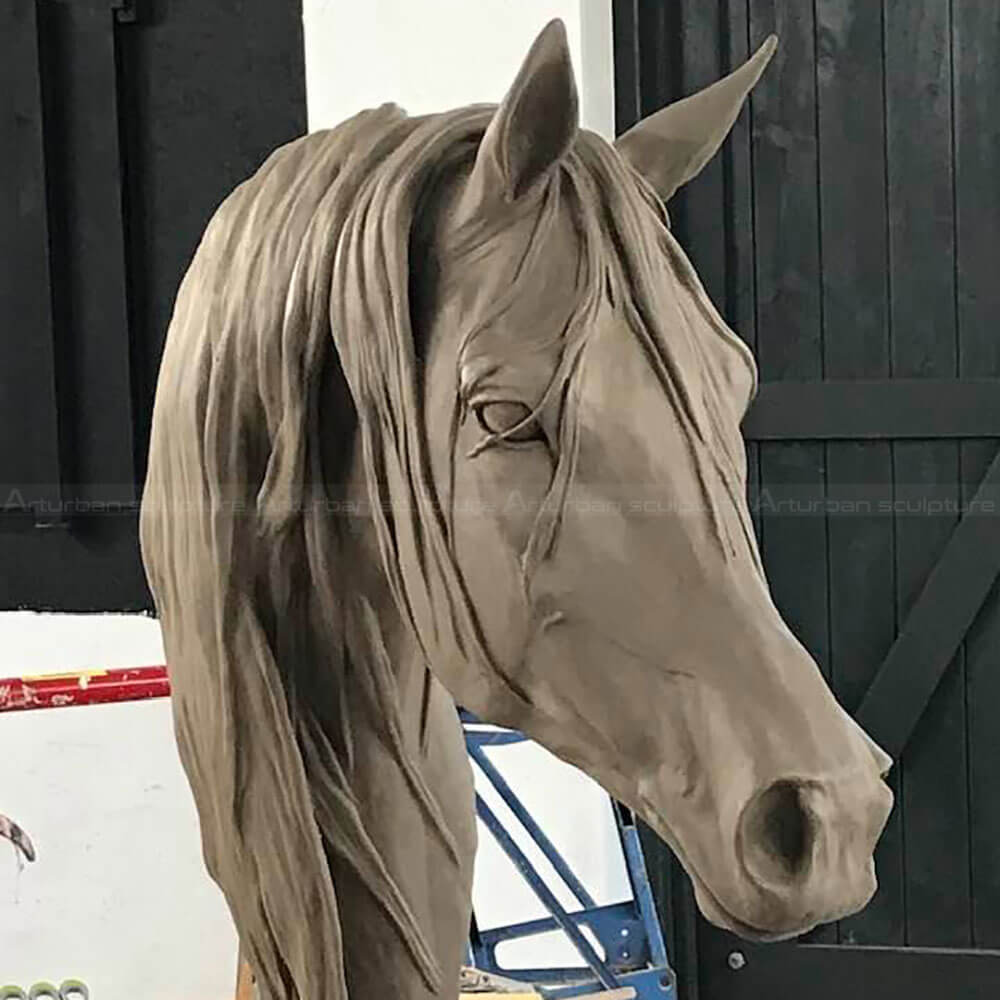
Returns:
<point x="123" y="123"/>
<point x="851" y="232"/>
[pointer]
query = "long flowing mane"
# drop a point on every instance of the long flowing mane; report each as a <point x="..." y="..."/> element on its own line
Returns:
<point x="290" y="348"/>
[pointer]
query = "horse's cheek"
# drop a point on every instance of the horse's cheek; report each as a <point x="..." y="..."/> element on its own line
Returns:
<point x="497" y="498"/>
<point x="500" y="493"/>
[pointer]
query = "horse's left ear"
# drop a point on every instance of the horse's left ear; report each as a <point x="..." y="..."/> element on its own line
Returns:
<point x="671" y="146"/>
<point x="533" y="127"/>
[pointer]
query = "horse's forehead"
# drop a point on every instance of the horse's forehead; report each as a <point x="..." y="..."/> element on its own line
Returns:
<point x="500" y="259"/>
<point x="519" y="289"/>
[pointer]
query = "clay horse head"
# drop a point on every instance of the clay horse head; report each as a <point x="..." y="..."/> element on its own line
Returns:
<point x="445" y="408"/>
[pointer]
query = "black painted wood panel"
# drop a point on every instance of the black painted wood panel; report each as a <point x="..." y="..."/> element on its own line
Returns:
<point x="84" y="180"/>
<point x="933" y="805"/>
<point x="860" y="222"/>
<point x="976" y="83"/>
<point x="832" y="973"/>
<point x="740" y="304"/>
<point x="850" y="118"/>
<point x="788" y="297"/>
<point x="30" y="447"/>
<point x="130" y="122"/>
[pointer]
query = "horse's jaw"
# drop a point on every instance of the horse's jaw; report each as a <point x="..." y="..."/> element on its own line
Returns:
<point x="772" y="901"/>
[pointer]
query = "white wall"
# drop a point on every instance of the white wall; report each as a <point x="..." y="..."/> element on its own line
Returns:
<point x="118" y="896"/>
<point x="433" y="55"/>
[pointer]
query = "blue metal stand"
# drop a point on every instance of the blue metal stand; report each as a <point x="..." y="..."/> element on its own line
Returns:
<point x="629" y="933"/>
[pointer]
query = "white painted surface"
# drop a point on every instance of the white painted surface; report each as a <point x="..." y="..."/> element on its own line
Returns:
<point x="119" y="897"/>
<point x="596" y="67"/>
<point x="438" y="54"/>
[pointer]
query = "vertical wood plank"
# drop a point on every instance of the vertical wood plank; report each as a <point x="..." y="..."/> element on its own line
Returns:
<point x="625" y="42"/>
<point x="660" y="56"/>
<point x="677" y="910"/>
<point x="740" y="304"/>
<point x="856" y="345"/>
<point x="793" y="521"/>
<point x="699" y="209"/>
<point x="30" y="454"/>
<point x="975" y="44"/>
<point x="90" y="262"/>
<point x="789" y="338"/>
<point x="244" y="979"/>
<point x="921" y="234"/>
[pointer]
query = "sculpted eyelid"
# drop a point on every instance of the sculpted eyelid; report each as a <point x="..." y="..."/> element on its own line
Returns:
<point x="489" y="394"/>
<point x="484" y="389"/>
<point x="470" y="383"/>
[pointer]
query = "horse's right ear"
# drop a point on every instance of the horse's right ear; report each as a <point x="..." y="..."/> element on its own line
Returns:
<point x="671" y="146"/>
<point x="533" y="127"/>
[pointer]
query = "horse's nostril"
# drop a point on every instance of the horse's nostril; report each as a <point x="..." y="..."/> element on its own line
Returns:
<point x="776" y="834"/>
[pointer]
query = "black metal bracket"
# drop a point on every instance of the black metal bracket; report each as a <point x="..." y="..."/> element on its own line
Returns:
<point x="125" y="11"/>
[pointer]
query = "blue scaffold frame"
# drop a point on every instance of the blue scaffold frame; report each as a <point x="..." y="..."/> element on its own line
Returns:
<point x="629" y="932"/>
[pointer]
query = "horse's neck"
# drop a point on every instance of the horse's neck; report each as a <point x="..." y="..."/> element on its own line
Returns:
<point x="411" y="787"/>
<point x="382" y="633"/>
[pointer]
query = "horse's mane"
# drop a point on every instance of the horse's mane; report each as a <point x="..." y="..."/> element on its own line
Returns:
<point x="291" y="330"/>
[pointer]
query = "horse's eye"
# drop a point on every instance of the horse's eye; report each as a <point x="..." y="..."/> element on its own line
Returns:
<point x="500" y="417"/>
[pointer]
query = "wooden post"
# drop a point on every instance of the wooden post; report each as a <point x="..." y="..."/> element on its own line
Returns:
<point x="244" y="979"/>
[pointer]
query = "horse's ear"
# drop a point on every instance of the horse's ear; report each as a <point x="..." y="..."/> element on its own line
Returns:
<point x="533" y="127"/>
<point x="671" y="146"/>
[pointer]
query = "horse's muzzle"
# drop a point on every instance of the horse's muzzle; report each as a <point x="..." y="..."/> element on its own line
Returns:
<point x="805" y="847"/>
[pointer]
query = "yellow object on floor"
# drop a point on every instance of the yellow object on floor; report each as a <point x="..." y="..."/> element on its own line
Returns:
<point x="475" y="984"/>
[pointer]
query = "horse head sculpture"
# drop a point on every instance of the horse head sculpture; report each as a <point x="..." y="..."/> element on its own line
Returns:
<point x="444" y="410"/>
